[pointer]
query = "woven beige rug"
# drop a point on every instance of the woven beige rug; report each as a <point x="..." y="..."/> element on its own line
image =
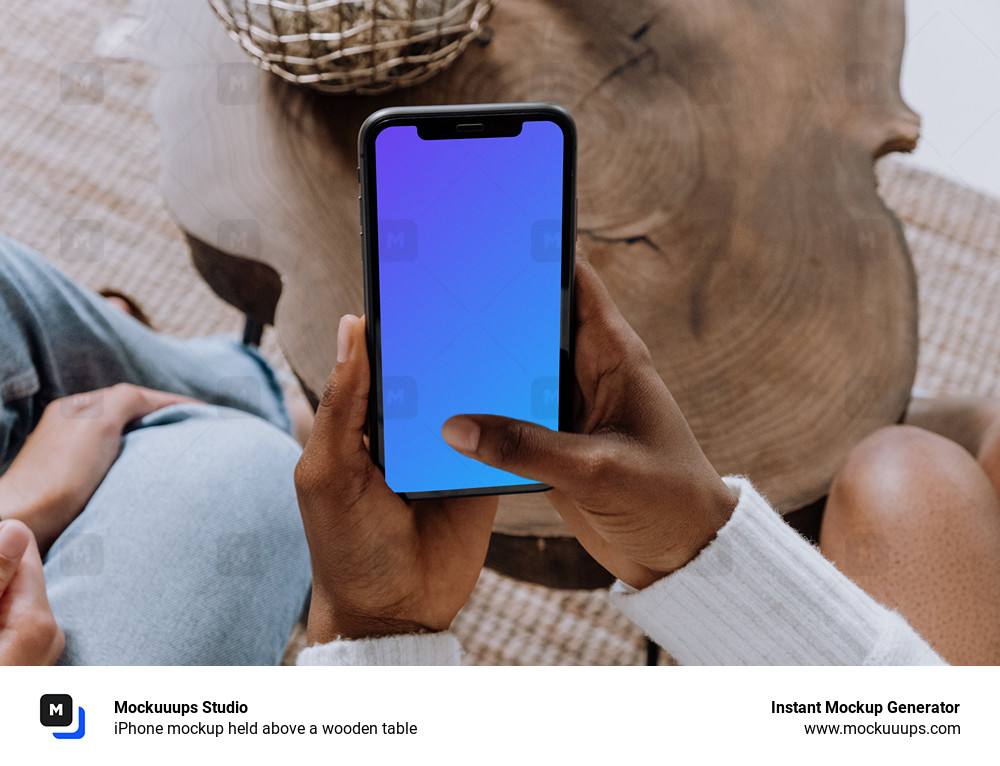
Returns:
<point x="79" y="152"/>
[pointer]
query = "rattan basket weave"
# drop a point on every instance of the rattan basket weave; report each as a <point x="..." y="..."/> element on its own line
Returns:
<point x="360" y="46"/>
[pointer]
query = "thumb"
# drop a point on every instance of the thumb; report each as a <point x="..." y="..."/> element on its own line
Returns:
<point x="556" y="458"/>
<point x="338" y="433"/>
<point x="14" y="541"/>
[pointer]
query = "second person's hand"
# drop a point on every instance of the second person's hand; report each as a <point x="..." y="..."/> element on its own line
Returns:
<point x="29" y="634"/>
<point x="69" y="453"/>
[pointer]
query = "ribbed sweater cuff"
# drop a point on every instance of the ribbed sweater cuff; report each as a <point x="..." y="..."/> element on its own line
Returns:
<point x="759" y="594"/>
<point x="415" y="649"/>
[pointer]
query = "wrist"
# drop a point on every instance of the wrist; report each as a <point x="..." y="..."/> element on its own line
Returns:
<point x="34" y="520"/>
<point x="33" y="513"/>
<point x="719" y="510"/>
<point x="710" y="512"/>
<point x="716" y="511"/>
<point x="14" y="505"/>
<point x="326" y="624"/>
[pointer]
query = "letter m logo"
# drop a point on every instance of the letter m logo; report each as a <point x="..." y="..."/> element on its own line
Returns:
<point x="56" y="710"/>
<point x="397" y="240"/>
<point x="399" y="397"/>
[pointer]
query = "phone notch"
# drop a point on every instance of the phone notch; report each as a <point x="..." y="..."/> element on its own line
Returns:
<point x="507" y="126"/>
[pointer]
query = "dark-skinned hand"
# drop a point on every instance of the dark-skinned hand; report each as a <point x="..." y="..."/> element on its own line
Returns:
<point x="381" y="566"/>
<point x="631" y="482"/>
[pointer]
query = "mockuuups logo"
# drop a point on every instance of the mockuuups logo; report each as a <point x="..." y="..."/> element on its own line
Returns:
<point x="56" y="710"/>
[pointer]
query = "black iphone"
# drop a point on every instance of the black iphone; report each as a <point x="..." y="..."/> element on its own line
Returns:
<point x="468" y="229"/>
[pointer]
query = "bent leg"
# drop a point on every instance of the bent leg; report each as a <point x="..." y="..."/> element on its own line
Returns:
<point x="914" y="521"/>
<point x="192" y="550"/>
<point x="57" y="339"/>
<point x="988" y="453"/>
<point x="971" y="421"/>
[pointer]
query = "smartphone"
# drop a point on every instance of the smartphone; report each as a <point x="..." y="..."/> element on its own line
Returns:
<point x="468" y="234"/>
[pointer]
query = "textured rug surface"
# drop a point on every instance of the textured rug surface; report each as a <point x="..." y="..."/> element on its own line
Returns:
<point x="78" y="182"/>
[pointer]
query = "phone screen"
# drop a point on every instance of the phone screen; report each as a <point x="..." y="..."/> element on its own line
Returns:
<point x="470" y="278"/>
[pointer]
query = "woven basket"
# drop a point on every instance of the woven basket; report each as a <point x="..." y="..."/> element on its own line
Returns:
<point x="353" y="46"/>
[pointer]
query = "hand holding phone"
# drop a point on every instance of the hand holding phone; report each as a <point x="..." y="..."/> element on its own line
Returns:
<point x="381" y="566"/>
<point x="468" y="224"/>
<point x="631" y="482"/>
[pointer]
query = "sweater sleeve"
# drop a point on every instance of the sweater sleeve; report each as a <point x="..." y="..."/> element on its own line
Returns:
<point x="415" y="649"/>
<point x="760" y="594"/>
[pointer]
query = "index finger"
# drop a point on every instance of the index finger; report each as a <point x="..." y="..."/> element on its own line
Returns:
<point x="593" y="301"/>
<point x="597" y="313"/>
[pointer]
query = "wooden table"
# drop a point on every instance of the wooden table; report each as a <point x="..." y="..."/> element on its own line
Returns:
<point x="726" y="196"/>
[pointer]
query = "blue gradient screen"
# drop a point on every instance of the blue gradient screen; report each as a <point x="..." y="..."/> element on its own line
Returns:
<point x="469" y="266"/>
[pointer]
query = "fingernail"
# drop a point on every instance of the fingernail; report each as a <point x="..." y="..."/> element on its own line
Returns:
<point x="461" y="434"/>
<point x="344" y="338"/>
<point x="13" y="541"/>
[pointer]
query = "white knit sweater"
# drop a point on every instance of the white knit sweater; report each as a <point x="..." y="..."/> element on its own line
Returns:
<point x="759" y="594"/>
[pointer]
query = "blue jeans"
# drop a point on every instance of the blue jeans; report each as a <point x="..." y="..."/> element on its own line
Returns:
<point x="191" y="551"/>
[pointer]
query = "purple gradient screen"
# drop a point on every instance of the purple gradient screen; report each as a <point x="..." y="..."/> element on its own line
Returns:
<point x="469" y="261"/>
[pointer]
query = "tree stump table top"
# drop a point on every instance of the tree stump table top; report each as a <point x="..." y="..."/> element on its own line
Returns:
<point x="726" y="197"/>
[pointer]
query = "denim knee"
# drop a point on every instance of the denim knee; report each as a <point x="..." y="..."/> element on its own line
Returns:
<point x="195" y="547"/>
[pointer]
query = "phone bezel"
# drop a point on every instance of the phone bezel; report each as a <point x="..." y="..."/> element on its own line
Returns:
<point x="434" y="122"/>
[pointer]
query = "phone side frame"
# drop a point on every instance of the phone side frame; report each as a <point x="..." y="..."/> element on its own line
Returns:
<point x="369" y="238"/>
